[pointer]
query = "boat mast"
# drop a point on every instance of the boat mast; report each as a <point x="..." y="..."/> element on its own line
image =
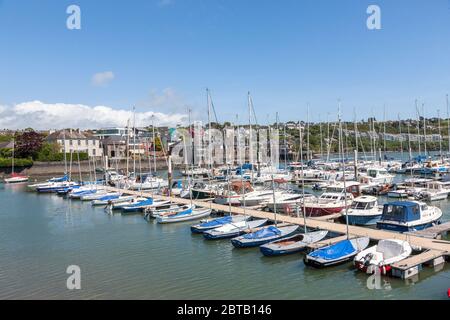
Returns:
<point x="134" y="142"/>
<point x="343" y="169"/>
<point x="384" y="129"/>
<point x="448" y="123"/>
<point x="440" y="136"/>
<point x="424" y="129"/>
<point x="303" y="180"/>
<point x="409" y="142"/>
<point x="250" y="146"/>
<point x="401" y="136"/>
<point x="154" y="143"/>
<point x="307" y="136"/>
<point x="209" y="131"/>
<point x="418" y="126"/>
<point x="65" y="155"/>
<point x="128" y="146"/>
<point x="328" y="137"/>
<point x="321" y="138"/>
<point x="12" y="160"/>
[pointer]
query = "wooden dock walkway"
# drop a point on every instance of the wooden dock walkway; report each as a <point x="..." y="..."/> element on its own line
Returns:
<point x="411" y="266"/>
<point x="417" y="242"/>
<point x="433" y="232"/>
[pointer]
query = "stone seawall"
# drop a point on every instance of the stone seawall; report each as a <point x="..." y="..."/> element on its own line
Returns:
<point x="57" y="168"/>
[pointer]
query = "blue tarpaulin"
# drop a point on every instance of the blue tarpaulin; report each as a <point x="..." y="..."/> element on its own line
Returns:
<point x="216" y="222"/>
<point x="263" y="233"/>
<point x="335" y="251"/>
<point x="182" y="213"/>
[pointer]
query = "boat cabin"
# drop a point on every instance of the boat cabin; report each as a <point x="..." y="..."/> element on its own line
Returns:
<point x="403" y="211"/>
<point x="333" y="197"/>
<point x="364" y="203"/>
<point x="376" y="172"/>
<point x="351" y="187"/>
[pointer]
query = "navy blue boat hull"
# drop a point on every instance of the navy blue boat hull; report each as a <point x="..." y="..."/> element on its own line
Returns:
<point x="208" y="236"/>
<point x="272" y="253"/>
<point x="363" y="220"/>
<point x="399" y="228"/>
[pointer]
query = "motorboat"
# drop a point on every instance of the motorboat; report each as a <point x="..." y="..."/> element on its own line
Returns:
<point x="364" y="211"/>
<point x="404" y="216"/>
<point x="382" y="256"/>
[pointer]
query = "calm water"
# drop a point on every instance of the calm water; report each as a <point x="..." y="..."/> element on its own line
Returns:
<point x="125" y="257"/>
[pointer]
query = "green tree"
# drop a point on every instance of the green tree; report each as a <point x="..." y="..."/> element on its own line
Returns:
<point x="28" y="144"/>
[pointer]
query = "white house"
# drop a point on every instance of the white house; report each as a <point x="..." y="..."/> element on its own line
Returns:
<point x="75" y="141"/>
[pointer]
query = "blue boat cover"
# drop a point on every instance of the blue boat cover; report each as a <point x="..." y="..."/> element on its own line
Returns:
<point x="216" y="222"/>
<point x="182" y="213"/>
<point x="335" y="251"/>
<point x="61" y="179"/>
<point x="109" y="197"/>
<point x="263" y="233"/>
<point x="147" y="202"/>
<point x="401" y="211"/>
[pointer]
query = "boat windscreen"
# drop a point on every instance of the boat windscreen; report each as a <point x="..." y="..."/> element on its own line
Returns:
<point x="401" y="213"/>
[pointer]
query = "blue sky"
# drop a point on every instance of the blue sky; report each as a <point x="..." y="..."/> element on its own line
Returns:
<point x="164" y="53"/>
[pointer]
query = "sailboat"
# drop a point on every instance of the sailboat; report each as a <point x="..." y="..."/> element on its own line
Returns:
<point x="15" y="178"/>
<point x="184" y="213"/>
<point x="263" y="235"/>
<point x="296" y="242"/>
<point x="344" y="250"/>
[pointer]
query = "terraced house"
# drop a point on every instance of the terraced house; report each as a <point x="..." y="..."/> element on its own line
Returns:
<point x="76" y="141"/>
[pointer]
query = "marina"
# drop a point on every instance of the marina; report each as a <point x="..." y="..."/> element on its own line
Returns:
<point x="133" y="242"/>
<point x="225" y="151"/>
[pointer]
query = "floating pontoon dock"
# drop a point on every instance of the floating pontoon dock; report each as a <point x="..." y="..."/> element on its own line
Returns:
<point x="435" y="251"/>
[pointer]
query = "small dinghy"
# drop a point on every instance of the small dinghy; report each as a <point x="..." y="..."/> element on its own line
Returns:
<point x="292" y="244"/>
<point x="154" y="213"/>
<point x="137" y="206"/>
<point x="263" y="236"/>
<point x="337" y="253"/>
<point x="382" y="256"/>
<point x="218" y="222"/>
<point x="231" y="230"/>
<point x="189" y="214"/>
<point x="109" y="199"/>
<point x="120" y="205"/>
<point x="95" y="196"/>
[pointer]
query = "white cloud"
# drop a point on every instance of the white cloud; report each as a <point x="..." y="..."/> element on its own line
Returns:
<point x="42" y="116"/>
<point x="102" y="79"/>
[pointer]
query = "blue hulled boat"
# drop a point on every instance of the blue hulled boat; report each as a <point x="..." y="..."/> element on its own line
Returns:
<point x="340" y="252"/>
<point x="263" y="236"/>
<point x="404" y="216"/>
<point x="218" y="222"/>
